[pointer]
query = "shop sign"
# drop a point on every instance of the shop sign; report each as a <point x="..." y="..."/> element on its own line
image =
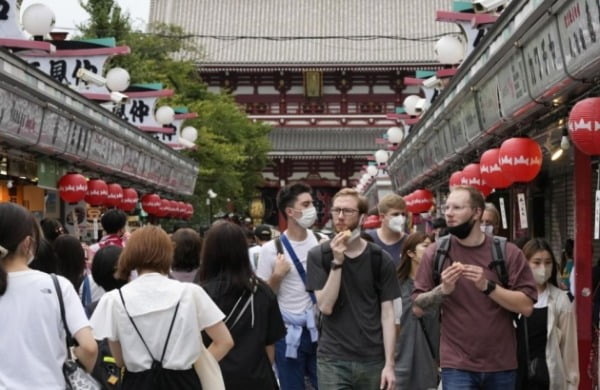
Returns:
<point x="78" y="143"/>
<point x="117" y="155"/>
<point x="512" y="84"/>
<point x="99" y="148"/>
<point x="64" y="69"/>
<point x="470" y="120"/>
<point x="543" y="60"/>
<point x="579" y="28"/>
<point x="488" y="102"/>
<point x="54" y="133"/>
<point x="458" y="139"/>
<point x="20" y="119"/>
<point x="49" y="173"/>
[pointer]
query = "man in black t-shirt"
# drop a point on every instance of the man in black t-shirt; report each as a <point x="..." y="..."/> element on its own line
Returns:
<point x="355" y="284"/>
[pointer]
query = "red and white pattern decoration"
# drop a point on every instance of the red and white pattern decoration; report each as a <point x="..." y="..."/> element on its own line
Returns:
<point x="72" y="187"/>
<point x="491" y="172"/>
<point x="520" y="159"/>
<point x="584" y="125"/>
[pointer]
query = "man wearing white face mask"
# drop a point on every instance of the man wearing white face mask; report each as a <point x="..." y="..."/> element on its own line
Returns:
<point x="295" y="355"/>
<point x="355" y="285"/>
<point x="391" y="234"/>
<point x="490" y="219"/>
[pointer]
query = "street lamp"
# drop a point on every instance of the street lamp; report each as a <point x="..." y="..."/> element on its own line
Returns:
<point x="211" y="195"/>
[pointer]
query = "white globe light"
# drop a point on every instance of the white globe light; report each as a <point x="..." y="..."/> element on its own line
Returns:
<point x="189" y="133"/>
<point x="450" y="50"/>
<point x="38" y="20"/>
<point x="117" y="79"/>
<point x="165" y="115"/>
<point x="410" y="104"/>
<point x="395" y="135"/>
<point x="381" y="156"/>
<point x="372" y="170"/>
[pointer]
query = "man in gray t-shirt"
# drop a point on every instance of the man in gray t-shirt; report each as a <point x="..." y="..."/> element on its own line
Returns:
<point x="354" y="283"/>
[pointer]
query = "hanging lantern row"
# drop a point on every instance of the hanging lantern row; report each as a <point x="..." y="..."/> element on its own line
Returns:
<point x="518" y="160"/>
<point x="74" y="187"/>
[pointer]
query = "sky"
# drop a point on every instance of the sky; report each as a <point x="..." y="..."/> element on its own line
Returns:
<point x="68" y="13"/>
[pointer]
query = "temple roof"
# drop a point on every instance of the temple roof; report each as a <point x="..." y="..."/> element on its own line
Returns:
<point x="309" y="32"/>
<point x="325" y="141"/>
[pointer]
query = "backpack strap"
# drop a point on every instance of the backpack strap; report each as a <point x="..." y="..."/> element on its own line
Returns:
<point x="154" y="361"/>
<point x="376" y="259"/>
<point x="443" y="247"/>
<point x="498" y="263"/>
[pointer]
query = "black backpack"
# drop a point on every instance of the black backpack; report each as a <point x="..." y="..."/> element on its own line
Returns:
<point x="498" y="263"/>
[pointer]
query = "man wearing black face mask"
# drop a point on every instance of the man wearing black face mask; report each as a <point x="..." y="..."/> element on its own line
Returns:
<point x="478" y="342"/>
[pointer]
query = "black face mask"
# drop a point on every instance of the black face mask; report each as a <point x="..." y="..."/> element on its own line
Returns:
<point x="461" y="231"/>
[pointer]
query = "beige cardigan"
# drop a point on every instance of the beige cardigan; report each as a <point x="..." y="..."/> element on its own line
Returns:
<point x="561" y="347"/>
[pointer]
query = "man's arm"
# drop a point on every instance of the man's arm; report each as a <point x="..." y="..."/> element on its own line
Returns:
<point x="429" y="299"/>
<point x="327" y="297"/>
<point x="388" y="377"/>
<point x="280" y="270"/>
<point x="272" y="267"/>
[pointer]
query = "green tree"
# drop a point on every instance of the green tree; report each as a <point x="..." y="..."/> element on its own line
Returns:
<point x="231" y="149"/>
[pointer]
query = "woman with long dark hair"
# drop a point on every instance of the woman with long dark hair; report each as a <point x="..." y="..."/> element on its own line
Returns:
<point x="551" y="332"/>
<point x="253" y="316"/>
<point x="71" y="259"/>
<point x="32" y="334"/>
<point x="418" y="338"/>
<point x="186" y="259"/>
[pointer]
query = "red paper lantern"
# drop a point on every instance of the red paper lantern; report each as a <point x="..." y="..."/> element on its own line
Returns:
<point x="115" y="195"/>
<point x="129" y="201"/>
<point x="190" y="211"/>
<point x="490" y="170"/>
<point x="72" y="187"/>
<point x="520" y="159"/>
<point x="371" y="222"/>
<point x="163" y="210"/>
<point x="472" y="177"/>
<point x="423" y="200"/>
<point x="181" y="210"/>
<point x="584" y="125"/>
<point x="96" y="193"/>
<point x="410" y="202"/>
<point x="455" y="179"/>
<point x="151" y="203"/>
<point x="173" y="209"/>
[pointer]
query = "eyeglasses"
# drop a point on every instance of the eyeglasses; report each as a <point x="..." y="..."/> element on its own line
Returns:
<point x="348" y="212"/>
<point x="453" y="208"/>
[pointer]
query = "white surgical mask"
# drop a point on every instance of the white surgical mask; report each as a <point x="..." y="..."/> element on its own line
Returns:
<point x="397" y="223"/>
<point x="308" y="218"/>
<point x="541" y="274"/>
<point x="487" y="229"/>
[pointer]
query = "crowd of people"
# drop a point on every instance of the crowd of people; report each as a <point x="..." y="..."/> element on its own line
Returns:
<point x="456" y="307"/>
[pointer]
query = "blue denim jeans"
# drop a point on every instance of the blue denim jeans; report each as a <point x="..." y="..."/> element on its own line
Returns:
<point x="291" y="372"/>
<point x="453" y="379"/>
<point x="337" y="374"/>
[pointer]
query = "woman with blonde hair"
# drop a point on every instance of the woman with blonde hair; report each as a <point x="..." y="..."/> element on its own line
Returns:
<point x="153" y="323"/>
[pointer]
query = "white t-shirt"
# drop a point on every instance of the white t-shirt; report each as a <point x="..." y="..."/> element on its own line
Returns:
<point x="32" y="336"/>
<point x="151" y="299"/>
<point x="292" y="295"/>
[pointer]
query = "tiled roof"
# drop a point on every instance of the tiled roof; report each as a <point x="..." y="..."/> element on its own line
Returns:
<point x="307" y="19"/>
<point x="325" y="141"/>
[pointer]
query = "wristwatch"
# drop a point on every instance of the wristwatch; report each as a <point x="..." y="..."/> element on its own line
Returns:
<point x="335" y="265"/>
<point x="491" y="286"/>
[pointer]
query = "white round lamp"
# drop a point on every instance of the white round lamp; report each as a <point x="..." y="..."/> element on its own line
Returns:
<point x="381" y="156"/>
<point x="38" y="20"/>
<point x="117" y="79"/>
<point x="410" y="104"/>
<point x="372" y="170"/>
<point x="395" y="135"/>
<point x="189" y="133"/>
<point x="165" y="115"/>
<point x="450" y="50"/>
